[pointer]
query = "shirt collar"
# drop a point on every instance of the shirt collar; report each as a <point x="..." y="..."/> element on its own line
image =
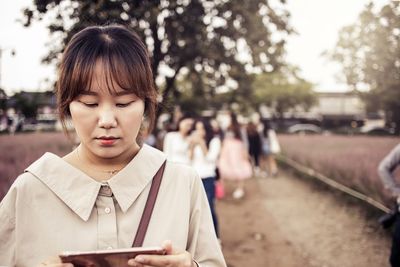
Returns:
<point x="79" y="192"/>
<point x="128" y="183"/>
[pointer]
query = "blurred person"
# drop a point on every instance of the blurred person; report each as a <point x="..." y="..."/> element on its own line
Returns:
<point x="147" y="135"/>
<point x="234" y="163"/>
<point x="94" y="197"/>
<point x="3" y="121"/>
<point x="219" y="186"/>
<point x="176" y="143"/>
<point x="270" y="147"/>
<point x="160" y="135"/>
<point x="205" y="147"/>
<point x="386" y="171"/>
<point x="255" y="145"/>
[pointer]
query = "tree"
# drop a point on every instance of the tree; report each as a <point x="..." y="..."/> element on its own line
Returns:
<point x="369" y="51"/>
<point x="26" y="103"/>
<point x="282" y="92"/>
<point x="217" y="40"/>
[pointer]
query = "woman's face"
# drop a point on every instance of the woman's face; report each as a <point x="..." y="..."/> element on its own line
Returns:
<point x="185" y="125"/>
<point x="200" y="129"/>
<point x="107" y="123"/>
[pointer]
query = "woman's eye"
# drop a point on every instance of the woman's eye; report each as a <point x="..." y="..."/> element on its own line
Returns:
<point x="91" y="105"/>
<point x="122" y="105"/>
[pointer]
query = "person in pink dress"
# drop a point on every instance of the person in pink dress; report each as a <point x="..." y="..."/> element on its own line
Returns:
<point x="234" y="163"/>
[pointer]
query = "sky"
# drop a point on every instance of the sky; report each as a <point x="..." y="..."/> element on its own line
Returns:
<point x="317" y="23"/>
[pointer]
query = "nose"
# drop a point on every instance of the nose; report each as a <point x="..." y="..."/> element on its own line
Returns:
<point x="107" y="119"/>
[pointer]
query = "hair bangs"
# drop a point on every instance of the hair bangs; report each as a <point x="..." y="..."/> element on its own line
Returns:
<point x="124" y="69"/>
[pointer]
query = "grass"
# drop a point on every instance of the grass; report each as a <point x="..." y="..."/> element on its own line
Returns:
<point x="350" y="160"/>
<point x="20" y="150"/>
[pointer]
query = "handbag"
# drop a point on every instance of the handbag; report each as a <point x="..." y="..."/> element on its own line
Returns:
<point x="219" y="190"/>
<point x="148" y="208"/>
<point x="275" y="148"/>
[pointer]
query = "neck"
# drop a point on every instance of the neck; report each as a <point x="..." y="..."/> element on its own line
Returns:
<point x="183" y="133"/>
<point x="103" y="164"/>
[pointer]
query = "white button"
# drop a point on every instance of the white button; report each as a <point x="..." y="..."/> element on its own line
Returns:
<point x="107" y="210"/>
<point x="110" y="247"/>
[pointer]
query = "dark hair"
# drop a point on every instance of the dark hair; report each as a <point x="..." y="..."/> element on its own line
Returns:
<point x="234" y="127"/>
<point x="125" y="62"/>
<point x="251" y="129"/>
<point x="267" y="126"/>
<point x="207" y="128"/>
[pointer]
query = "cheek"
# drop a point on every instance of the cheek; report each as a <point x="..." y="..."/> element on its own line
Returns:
<point x="133" y="118"/>
<point x="79" y="115"/>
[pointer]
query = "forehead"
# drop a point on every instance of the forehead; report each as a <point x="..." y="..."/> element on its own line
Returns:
<point x="187" y="120"/>
<point x="104" y="81"/>
<point x="199" y="124"/>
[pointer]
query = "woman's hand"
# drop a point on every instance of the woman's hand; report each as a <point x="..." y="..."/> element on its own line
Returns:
<point x="173" y="258"/>
<point x="55" y="262"/>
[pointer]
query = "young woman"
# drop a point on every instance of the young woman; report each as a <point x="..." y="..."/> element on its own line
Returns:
<point x="204" y="151"/>
<point x="270" y="148"/>
<point x="94" y="197"/>
<point x="176" y="144"/>
<point x="254" y="141"/>
<point x="234" y="163"/>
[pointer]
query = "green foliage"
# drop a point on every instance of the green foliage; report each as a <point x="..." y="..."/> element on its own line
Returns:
<point x="27" y="105"/>
<point x="199" y="39"/>
<point x="283" y="92"/>
<point x="369" y="51"/>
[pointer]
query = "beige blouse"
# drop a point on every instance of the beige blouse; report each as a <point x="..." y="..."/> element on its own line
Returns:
<point x="55" y="207"/>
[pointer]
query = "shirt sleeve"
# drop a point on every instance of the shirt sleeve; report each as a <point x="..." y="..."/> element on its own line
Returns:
<point x="214" y="150"/>
<point x="386" y="169"/>
<point x="7" y="228"/>
<point x="167" y="141"/>
<point x="202" y="242"/>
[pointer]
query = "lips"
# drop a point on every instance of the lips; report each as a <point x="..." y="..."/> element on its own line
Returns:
<point x="107" y="140"/>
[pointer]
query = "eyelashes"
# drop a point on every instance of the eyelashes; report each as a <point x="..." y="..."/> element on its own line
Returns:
<point x="119" y="105"/>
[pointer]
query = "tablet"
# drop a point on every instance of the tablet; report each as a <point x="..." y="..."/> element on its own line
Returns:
<point x="107" y="258"/>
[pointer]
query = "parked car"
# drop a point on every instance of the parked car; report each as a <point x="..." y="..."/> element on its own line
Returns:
<point x="376" y="130"/>
<point x="304" y="128"/>
<point x="40" y="125"/>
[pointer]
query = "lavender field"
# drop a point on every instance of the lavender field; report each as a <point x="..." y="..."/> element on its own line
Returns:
<point x="350" y="160"/>
<point x="19" y="151"/>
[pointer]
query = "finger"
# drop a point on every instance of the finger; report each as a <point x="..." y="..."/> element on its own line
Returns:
<point x="181" y="259"/>
<point x="167" y="245"/>
<point x="157" y="260"/>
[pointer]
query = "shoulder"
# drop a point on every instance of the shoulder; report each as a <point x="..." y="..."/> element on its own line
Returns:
<point x="180" y="173"/>
<point x="181" y="170"/>
<point x="18" y="191"/>
<point x="396" y="149"/>
<point x="171" y="134"/>
<point x="215" y="140"/>
<point x="25" y="185"/>
<point x="391" y="159"/>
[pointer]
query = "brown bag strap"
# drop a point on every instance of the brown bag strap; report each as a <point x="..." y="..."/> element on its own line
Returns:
<point x="148" y="208"/>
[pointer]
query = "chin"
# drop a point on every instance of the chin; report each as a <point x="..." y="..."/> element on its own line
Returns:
<point x="108" y="153"/>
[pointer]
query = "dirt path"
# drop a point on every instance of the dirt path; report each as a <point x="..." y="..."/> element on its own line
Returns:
<point x="285" y="222"/>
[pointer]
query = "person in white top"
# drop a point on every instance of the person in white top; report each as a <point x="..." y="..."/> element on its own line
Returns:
<point x="176" y="144"/>
<point x="204" y="152"/>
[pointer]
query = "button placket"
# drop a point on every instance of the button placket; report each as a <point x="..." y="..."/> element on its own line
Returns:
<point x="107" y="222"/>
